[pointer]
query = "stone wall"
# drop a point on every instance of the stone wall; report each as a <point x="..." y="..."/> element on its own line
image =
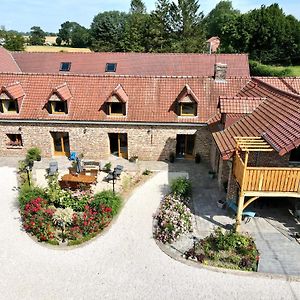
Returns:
<point x="146" y="142"/>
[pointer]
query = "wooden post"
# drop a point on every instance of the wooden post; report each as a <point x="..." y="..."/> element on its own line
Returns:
<point x="242" y="197"/>
<point x="239" y="212"/>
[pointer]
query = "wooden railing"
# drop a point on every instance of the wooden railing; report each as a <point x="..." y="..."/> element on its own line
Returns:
<point x="272" y="179"/>
<point x="238" y="168"/>
<point x="267" y="179"/>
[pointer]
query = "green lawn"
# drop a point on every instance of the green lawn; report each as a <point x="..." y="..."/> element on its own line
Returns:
<point x="295" y="70"/>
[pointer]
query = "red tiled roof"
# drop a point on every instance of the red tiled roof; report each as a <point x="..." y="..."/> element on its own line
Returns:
<point x="120" y="93"/>
<point x="154" y="64"/>
<point x="14" y="90"/>
<point x="7" y="62"/>
<point x="63" y="92"/>
<point x="287" y="84"/>
<point x="187" y="91"/>
<point x="150" y="99"/>
<point x="232" y="118"/>
<point x="277" y="119"/>
<point x="239" y="105"/>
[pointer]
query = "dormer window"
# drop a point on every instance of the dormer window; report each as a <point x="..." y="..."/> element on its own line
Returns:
<point x="188" y="109"/>
<point x="111" y="67"/>
<point x="187" y="102"/>
<point x="65" y="66"/>
<point x="8" y="105"/>
<point x="116" y="102"/>
<point x="116" y="108"/>
<point x="57" y="105"/>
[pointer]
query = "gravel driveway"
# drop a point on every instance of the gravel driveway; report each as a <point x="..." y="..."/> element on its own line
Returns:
<point x="124" y="263"/>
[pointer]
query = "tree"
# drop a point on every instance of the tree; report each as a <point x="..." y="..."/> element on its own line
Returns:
<point x="73" y="34"/>
<point x="14" y="42"/>
<point x="136" y="28"/>
<point x="271" y="36"/>
<point x="107" y="31"/>
<point x="159" y="39"/>
<point x="37" y="36"/>
<point x="137" y="6"/>
<point x="80" y="37"/>
<point x="187" y="26"/>
<point x="219" y="18"/>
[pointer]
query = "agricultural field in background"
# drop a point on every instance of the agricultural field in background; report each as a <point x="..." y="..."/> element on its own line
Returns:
<point x="55" y="49"/>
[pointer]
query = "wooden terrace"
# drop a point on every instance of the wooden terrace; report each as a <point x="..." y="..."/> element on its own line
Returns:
<point x="258" y="182"/>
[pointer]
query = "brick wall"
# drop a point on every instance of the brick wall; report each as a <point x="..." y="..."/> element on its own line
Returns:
<point x="147" y="142"/>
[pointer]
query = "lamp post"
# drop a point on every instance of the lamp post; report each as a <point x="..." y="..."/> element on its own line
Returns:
<point x="113" y="179"/>
<point x="28" y="170"/>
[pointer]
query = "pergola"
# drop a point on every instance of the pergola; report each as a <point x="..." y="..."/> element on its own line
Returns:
<point x="255" y="182"/>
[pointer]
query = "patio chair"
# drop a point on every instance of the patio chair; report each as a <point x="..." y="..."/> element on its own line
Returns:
<point x="246" y="213"/>
<point x="53" y="168"/>
<point x="73" y="156"/>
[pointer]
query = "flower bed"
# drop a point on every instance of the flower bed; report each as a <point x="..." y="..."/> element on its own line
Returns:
<point x="55" y="215"/>
<point x="227" y="250"/>
<point x="172" y="219"/>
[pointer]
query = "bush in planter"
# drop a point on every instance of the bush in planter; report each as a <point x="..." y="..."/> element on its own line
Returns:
<point x="181" y="187"/>
<point x="172" y="220"/>
<point x="108" y="199"/>
<point x="34" y="154"/>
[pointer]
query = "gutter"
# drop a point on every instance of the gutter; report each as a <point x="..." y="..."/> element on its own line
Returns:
<point x="65" y="122"/>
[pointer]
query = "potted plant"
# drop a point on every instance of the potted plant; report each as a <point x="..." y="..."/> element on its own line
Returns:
<point x="197" y="158"/>
<point x="34" y="154"/>
<point x="172" y="157"/>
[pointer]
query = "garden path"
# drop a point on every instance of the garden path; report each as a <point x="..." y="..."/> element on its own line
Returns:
<point x="124" y="263"/>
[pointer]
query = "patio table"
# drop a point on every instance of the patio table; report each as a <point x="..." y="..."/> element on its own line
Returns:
<point x="75" y="181"/>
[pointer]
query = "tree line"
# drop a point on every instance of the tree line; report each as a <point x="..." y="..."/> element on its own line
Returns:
<point x="266" y="33"/>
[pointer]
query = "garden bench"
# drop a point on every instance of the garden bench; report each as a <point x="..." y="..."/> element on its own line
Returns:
<point x="246" y="213"/>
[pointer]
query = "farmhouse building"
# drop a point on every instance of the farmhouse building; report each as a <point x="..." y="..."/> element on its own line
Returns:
<point x="152" y="106"/>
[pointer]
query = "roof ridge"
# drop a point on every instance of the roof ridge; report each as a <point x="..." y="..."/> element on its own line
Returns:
<point x="135" y="53"/>
<point x="117" y="75"/>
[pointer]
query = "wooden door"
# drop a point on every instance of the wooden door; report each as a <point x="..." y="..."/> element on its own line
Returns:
<point x="61" y="143"/>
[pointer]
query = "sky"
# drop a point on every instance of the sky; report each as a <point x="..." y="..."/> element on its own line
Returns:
<point x="21" y="15"/>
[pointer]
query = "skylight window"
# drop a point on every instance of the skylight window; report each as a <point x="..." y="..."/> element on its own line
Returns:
<point x="65" y="66"/>
<point x="111" y="67"/>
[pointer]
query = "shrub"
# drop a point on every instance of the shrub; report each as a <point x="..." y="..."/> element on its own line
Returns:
<point x="33" y="154"/>
<point x="37" y="219"/>
<point x="89" y="222"/>
<point x="227" y="249"/>
<point x="173" y="219"/>
<point x="28" y="193"/>
<point x="63" y="216"/>
<point x="181" y="187"/>
<point x="108" y="199"/>
<point x="258" y="69"/>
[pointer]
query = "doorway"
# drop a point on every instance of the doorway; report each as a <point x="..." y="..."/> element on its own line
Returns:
<point x="61" y="143"/>
<point x="185" y="146"/>
<point x="118" y="144"/>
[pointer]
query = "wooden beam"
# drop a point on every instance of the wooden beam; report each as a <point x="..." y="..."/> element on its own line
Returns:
<point x="271" y="194"/>
<point x="249" y="202"/>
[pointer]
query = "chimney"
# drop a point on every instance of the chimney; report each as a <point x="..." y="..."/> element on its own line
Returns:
<point x="220" y="72"/>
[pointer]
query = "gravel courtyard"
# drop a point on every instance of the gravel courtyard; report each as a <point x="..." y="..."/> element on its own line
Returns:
<point x="124" y="263"/>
